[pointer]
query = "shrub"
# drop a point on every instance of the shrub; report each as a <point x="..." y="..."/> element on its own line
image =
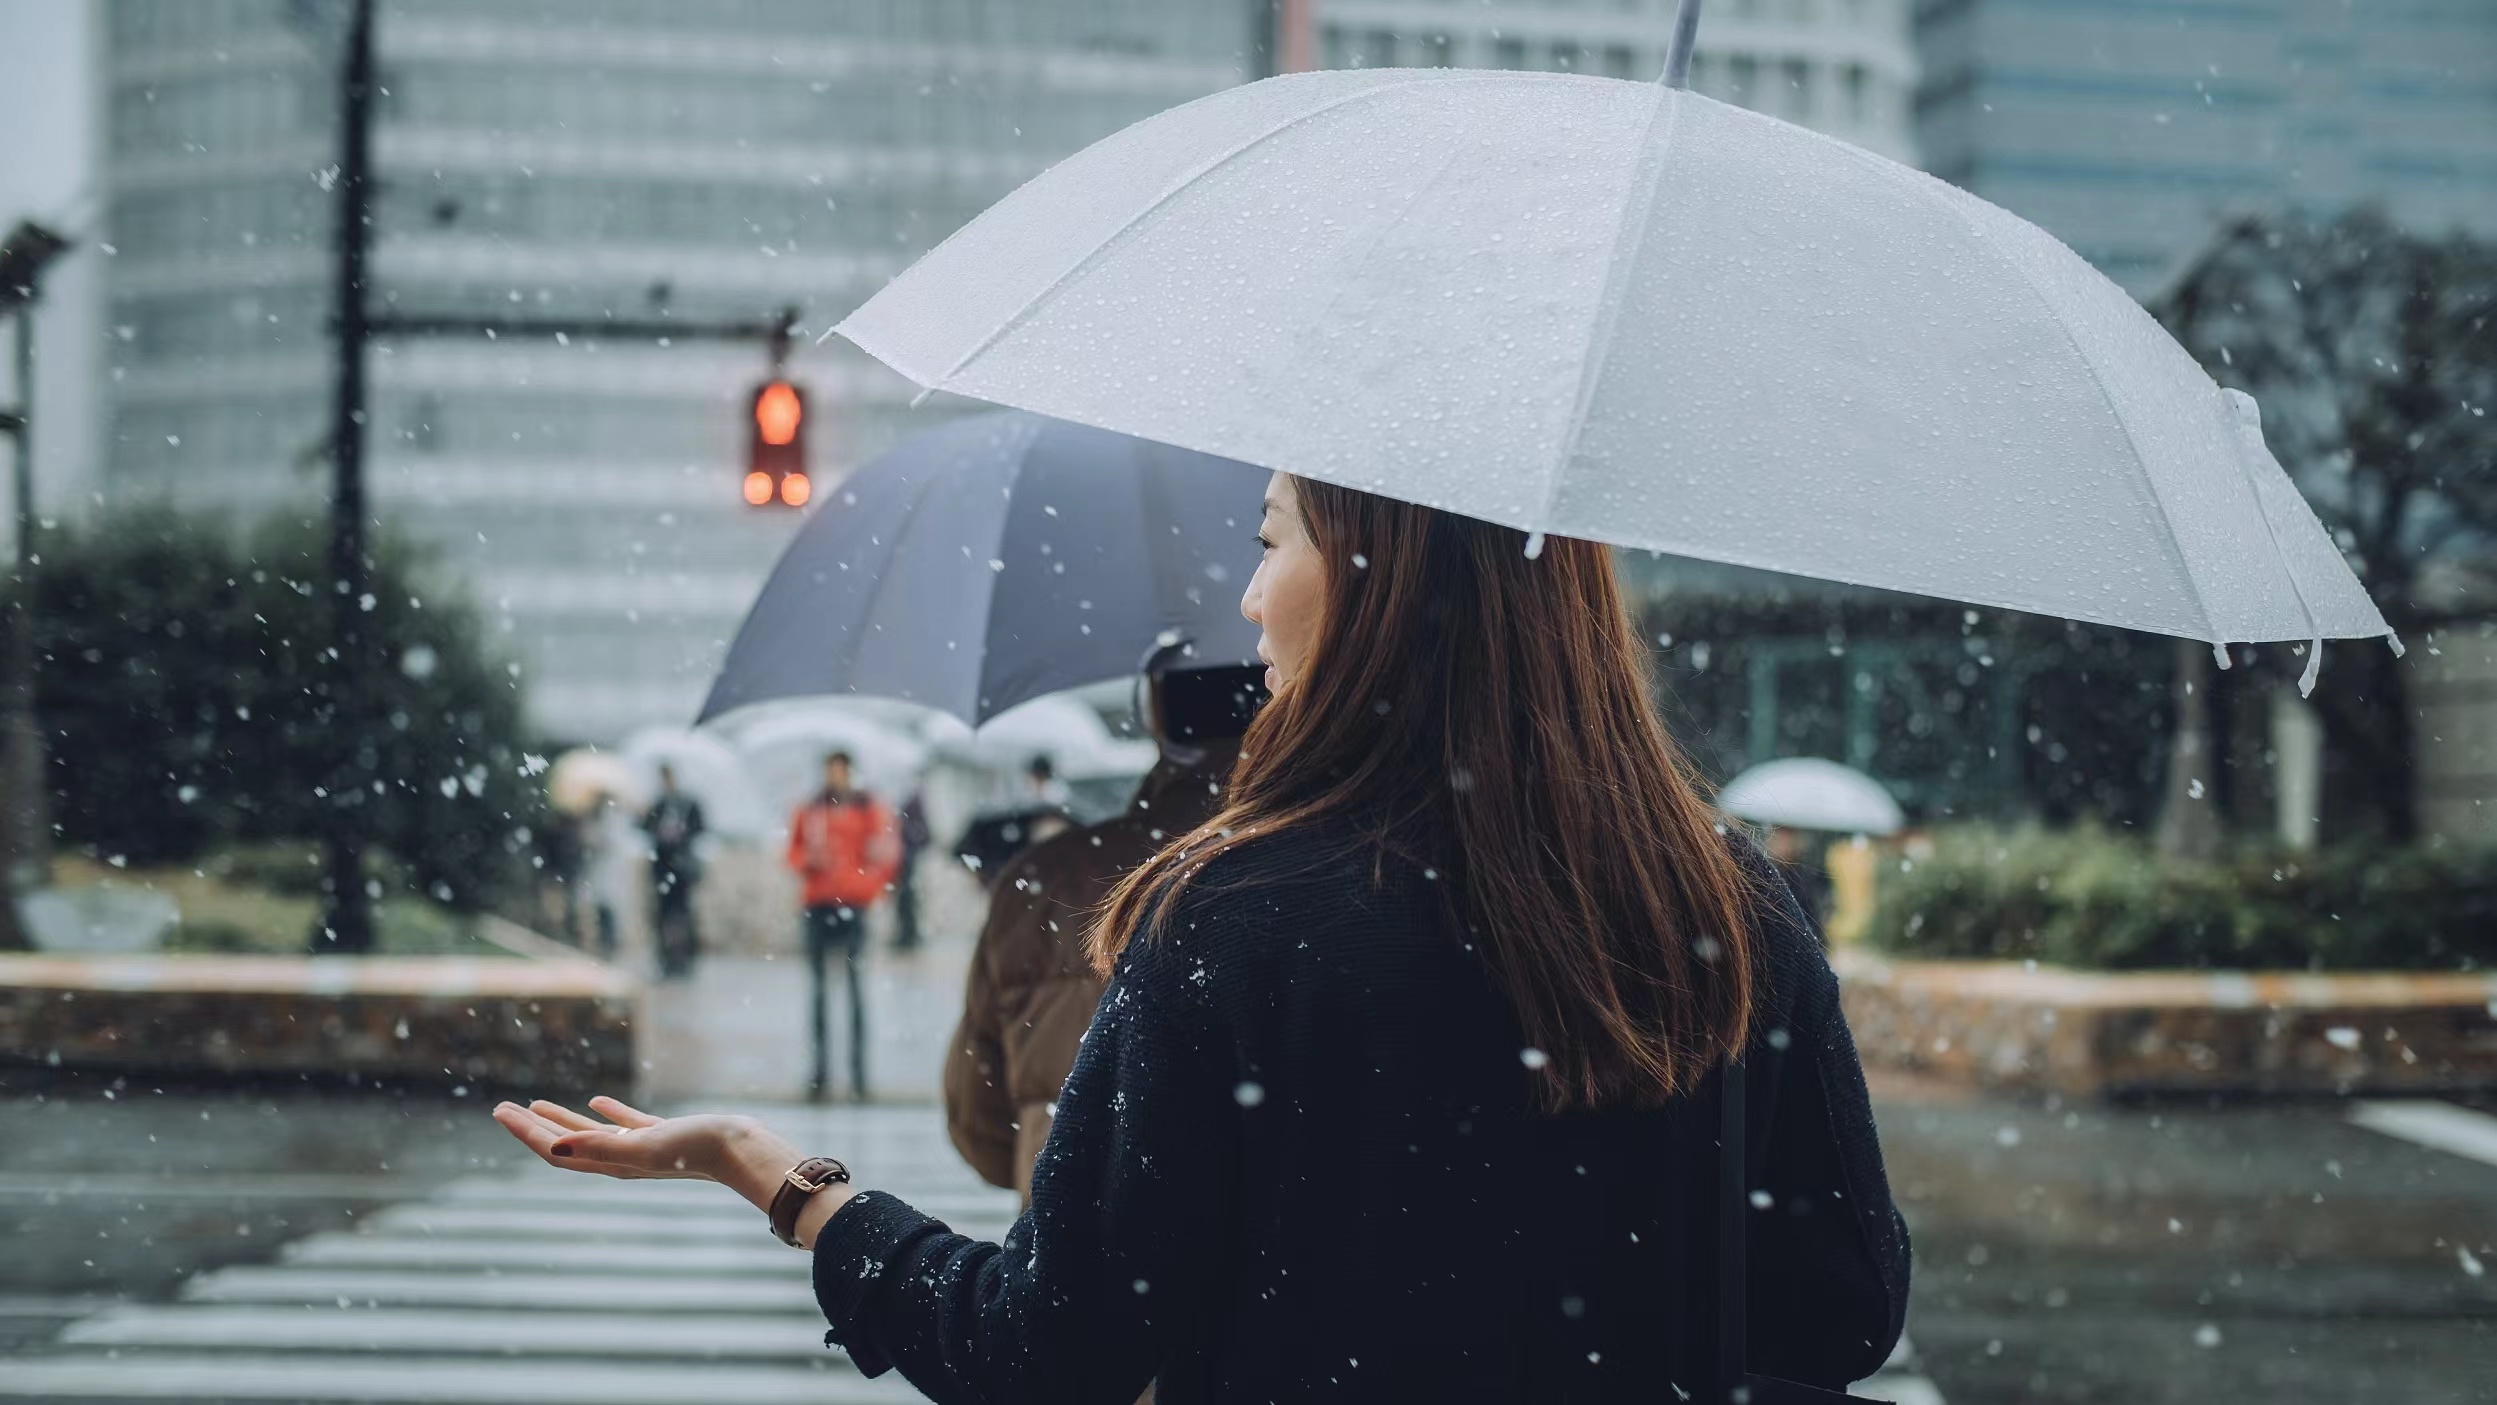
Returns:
<point x="183" y="694"/>
<point x="2089" y="898"/>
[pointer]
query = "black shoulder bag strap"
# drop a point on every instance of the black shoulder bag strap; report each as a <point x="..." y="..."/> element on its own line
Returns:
<point x="1735" y="1382"/>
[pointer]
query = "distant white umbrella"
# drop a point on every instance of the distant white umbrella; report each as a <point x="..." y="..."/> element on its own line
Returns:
<point x="707" y="769"/>
<point x="1805" y="792"/>
<point x="580" y="778"/>
<point x="782" y="745"/>
<point x="1063" y="728"/>
<point x="1626" y="312"/>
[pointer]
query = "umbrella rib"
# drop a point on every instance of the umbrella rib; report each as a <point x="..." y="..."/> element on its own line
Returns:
<point x="1629" y="237"/>
<point x="2158" y="500"/>
<point x="2238" y="430"/>
<point x="1178" y="187"/>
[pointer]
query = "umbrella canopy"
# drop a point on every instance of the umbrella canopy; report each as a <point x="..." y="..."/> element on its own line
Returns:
<point x="1626" y="312"/>
<point x="1805" y="792"/>
<point x="999" y="557"/>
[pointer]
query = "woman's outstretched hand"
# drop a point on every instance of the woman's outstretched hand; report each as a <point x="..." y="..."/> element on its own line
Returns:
<point x="630" y="1144"/>
<point x="737" y="1152"/>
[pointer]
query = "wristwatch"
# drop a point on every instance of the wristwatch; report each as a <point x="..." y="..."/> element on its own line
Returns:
<point x="803" y="1180"/>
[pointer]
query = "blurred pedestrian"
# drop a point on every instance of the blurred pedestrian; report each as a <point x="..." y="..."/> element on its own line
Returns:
<point x="1410" y="1076"/>
<point x="915" y="838"/>
<point x="674" y="824"/>
<point x="1033" y="988"/>
<point x="611" y="853"/>
<point x="845" y="849"/>
<point x="1047" y="791"/>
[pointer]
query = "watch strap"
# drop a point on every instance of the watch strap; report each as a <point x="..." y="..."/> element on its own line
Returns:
<point x="799" y="1185"/>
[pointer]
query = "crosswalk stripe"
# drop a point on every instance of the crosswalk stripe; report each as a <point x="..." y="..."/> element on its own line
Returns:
<point x="419" y="1380"/>
<point x="551" y="1291"/>
<point x="765" y="1259"/>
<point x="790" y="1335"/>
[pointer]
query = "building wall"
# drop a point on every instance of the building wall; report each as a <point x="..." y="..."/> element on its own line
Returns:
<point x="1845" y="67"/>
<point x="2128" y="128"/>
<point x="575" y="158"/>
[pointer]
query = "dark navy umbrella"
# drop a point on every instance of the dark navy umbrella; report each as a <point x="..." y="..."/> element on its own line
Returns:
<point x="999" y="557"/>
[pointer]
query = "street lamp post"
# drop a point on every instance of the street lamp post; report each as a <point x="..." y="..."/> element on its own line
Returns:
<point x="25" y="828"/>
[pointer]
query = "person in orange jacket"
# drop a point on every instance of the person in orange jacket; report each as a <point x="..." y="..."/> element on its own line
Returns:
<point x="846" y="850"/>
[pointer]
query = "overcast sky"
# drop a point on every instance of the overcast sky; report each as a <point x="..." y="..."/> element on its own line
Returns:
<point x="46" y="107"/>
<point x="49" y="172"/>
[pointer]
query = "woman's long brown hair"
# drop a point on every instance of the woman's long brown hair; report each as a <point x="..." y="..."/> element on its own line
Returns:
<point x="1490" y="714"/>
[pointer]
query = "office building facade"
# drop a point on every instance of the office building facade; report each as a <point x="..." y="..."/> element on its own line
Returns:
<point x="1845" y="67"/>
<point x="561" y="160"/>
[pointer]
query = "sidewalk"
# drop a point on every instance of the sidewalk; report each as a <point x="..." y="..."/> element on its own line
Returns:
<point x="738" y="1029"/>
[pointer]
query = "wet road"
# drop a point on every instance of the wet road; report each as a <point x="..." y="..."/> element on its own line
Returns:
<point x="2194" y="1253"/>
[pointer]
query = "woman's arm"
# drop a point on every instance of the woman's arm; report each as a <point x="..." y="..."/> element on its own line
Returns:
<point x="1106" y="1271"/>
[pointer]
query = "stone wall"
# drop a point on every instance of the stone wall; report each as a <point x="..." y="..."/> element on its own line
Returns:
<point x="2028" y="1028"/>
<point x="567" y="1025"/>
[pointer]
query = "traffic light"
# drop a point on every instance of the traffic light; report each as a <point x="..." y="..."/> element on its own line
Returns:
<point x="776" y="455"/>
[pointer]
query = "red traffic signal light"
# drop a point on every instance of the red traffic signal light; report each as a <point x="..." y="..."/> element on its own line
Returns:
<point x="776" y="452"/>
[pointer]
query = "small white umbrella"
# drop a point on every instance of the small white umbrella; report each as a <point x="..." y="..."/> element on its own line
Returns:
<point x="1059" y="726"/>
<point x="1806" y="792"/>
<point x="583" y="776"/>
<point x="1626" y="312"/>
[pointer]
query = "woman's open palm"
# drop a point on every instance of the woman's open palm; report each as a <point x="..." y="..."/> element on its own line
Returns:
<point x="630" y="1145"/>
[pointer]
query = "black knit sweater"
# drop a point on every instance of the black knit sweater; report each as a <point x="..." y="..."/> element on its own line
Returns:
<point x="1298" y="1158"/>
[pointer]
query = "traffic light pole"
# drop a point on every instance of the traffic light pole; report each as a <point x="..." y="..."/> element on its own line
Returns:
<point x="775" y="333"/>
<point x="346" y="920"/>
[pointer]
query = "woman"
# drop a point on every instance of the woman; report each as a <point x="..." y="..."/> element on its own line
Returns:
<point x="1400" y="1087"/>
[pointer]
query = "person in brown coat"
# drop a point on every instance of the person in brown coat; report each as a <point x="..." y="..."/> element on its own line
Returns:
<point x="1032" y="991"/>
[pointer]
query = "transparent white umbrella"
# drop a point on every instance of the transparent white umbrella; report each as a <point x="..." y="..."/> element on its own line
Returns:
<point x="1807" y="792"/>
<point x="1627" y="312"/>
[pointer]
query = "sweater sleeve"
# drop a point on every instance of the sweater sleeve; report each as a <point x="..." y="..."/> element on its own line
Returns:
<point x="1829" y="1252"/>
<point x="1083" y="1298"/>
<point x="979" y="1112"/>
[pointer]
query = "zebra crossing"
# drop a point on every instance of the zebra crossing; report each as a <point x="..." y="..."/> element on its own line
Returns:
<point x="545" y="1288"/>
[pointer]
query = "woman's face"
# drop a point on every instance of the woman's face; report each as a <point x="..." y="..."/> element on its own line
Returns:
<point x="1285" y="596"/>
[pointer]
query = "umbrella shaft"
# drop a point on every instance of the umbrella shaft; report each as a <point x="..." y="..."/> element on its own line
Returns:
<point x="1678" y="57"/>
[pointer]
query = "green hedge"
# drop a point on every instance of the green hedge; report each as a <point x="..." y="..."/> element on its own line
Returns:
<point x="184" y="697"/>
<point x="2088" y="898"/>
